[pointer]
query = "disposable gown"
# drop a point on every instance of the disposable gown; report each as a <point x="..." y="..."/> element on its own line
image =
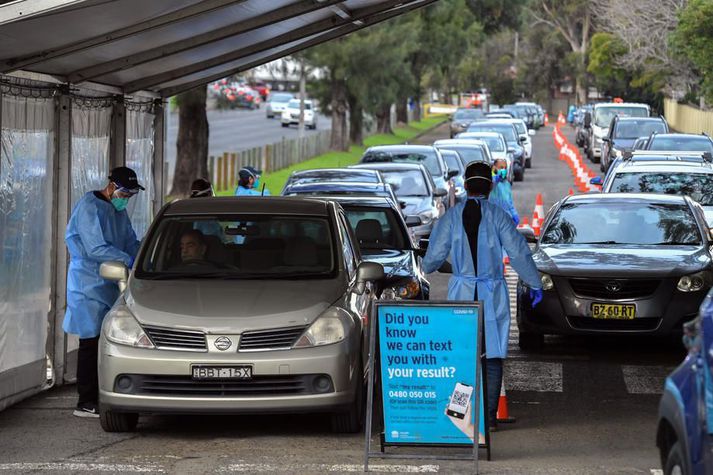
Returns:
<point x="496" y="232"/>
<point x="242" y="191"/>
<point x="96" y="233"/>
<point x="502" y="196"/>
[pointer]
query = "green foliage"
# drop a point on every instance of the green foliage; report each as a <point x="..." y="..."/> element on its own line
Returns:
<point x="693" y="39"/>
<point x="497" y="15"/>
<point x="604" y="52"/>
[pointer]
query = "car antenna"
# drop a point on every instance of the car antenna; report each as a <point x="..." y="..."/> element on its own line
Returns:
<point x="262" y="193"/>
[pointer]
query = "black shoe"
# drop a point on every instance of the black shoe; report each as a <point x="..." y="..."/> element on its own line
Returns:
<point x="87" y="409"/>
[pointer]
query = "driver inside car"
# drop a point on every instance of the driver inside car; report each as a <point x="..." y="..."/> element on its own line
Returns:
<point x="193" y="247"/>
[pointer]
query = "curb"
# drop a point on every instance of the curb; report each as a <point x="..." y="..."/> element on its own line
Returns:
<point x="426" y="131"/>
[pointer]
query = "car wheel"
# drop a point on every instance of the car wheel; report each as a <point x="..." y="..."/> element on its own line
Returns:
<point x="270" y="116"/>
<point x="529" y="341"/>
<point x="590" y="154"/>
<point x="118" y="421"/>
<point x="519" y="174"/>
<point x="675" y="461"/>
<point x="528" y="163"/>
<point x="285" y="125"/>
<point x="351" y="420"/>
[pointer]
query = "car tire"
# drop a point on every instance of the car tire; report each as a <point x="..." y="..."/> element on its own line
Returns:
<point x="118" y="421"/>
<point x="529" y="341"/>
<point x="285" y="125"/>
<point x="528" y="163"/>
<point x="351" y="420"/>
<point x="270" y="116"/>
<point x="675" y="461"/>
<point x="590" y="155"/>
<point x="519" y="174"/>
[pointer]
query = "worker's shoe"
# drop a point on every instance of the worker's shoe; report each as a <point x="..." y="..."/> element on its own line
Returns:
<point x="87" y="409"/>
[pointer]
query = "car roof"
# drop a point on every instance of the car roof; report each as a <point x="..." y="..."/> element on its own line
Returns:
<point x="400" y="148"/>
<point x="484" y="133"/>
<point x="493" y="122"/>
<point x="675" y="135"/>
<point x="640" y="119"/>
<point x="247" y="204"/>
<point x="626" y="197"/>
<point x="325" y="185"/>
<point x="389" y="166"/>
<point x="621" y="104"/>
<point x="666" y="166"/>
<point x="366" y="201"/>
<point x="464" y="142"/>
<point x="365" y="171"/>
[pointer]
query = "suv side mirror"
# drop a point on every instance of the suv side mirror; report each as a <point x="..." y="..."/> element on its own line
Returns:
<point x="532" y="132"/>
<point x="452" y="173"/>
<point x="368" y="272"/>
<point x="413" y="220"/>
<point x="440" y="192"/>
<point x="116" y="272"/>
<point x="528" y="233"/>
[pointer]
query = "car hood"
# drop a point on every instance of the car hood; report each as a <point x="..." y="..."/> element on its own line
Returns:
<point x="628" y="261"/>
<point x="415" y="204"/>
<point x="623" y="144"/>
<point x="397" y="264"/>
<point x="231" y="306"/>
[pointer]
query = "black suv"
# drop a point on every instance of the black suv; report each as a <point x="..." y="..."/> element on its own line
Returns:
<point x="624" y="131"/>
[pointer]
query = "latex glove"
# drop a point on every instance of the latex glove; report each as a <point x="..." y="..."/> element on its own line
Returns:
<point x="516" y="218"/>
<point x="131" y="262"/>
<point x="535" y="296"/>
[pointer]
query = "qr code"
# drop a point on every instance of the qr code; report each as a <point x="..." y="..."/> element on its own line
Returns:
<point x="460" y="399"/>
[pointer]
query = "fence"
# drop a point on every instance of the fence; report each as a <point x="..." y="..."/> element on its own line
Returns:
<point x="223" y="169"/>
<point x="687" y="119"/>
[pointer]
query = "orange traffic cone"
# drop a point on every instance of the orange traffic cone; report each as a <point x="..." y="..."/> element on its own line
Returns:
<point x="571" y="192"/>
<point x="547" y="120"/>
<point x="503" y="414"/>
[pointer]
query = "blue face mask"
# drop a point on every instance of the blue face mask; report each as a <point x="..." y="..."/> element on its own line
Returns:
<point x="503" y="173"/>
<point x="256" y="183"/>
<point x="120" y="203"/>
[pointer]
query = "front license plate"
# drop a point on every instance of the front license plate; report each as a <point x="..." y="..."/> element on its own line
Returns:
<point x="222" y="372"/>
<point x="613" y="311"/>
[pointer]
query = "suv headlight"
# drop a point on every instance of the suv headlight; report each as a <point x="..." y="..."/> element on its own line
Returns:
<point x="122" y="328"/>
<point x="694" y="282"/>
<point x="325" y="330"/>
<point x="407" y="289"/>
<point x="547" y="282"/>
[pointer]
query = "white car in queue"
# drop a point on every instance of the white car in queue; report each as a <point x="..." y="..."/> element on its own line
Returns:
<point x="291" y="114"/>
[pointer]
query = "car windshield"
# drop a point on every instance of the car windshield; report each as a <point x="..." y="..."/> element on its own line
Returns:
<point x="376" y="228"/>
<point x="521" y="128"/>
<point x="406" y="182"/>
<point x="699" y="186"/>
<point x="507" y="130"/>
<point x="428" y="159"/>
<point x="494" y="143"/>
<point x="453" y="160"/>
<point x="295" y="104"/>
<point x="633" y="129"/>
<point x="239" y="246"/>
<point x="617" y="222"/>
<point x="604" y="115"/>
<point x="336" y="176"/>
<point x="697" y="143"/>
<point x="468" y="154"/>
<point x="281" y="98"/>
<point x="467" y="114"/>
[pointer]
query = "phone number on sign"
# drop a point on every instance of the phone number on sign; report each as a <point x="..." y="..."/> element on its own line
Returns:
<point x="413" y="394"/>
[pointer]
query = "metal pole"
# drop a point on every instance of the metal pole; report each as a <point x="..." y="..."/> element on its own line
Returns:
<point x="303" y="88"/>
<point x="117" y="156"/>
<point x="159" y="148"/>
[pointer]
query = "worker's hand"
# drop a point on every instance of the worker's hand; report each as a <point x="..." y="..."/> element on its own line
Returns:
<point x="131" y="262"/>
<point x="535" y="296"/>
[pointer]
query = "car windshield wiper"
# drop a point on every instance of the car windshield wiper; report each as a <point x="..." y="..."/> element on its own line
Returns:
<point x="601" y="242"/>
<point x="676" y="243"/>
<point x="185" y="275"/>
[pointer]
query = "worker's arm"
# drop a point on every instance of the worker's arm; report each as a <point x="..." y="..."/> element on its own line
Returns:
<point x="518" y="251"/>
<point x="94" y="240"/>
<point x="439" y="244"/>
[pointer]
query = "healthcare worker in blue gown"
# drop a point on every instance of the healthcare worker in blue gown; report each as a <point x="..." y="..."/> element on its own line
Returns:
<point x="249" y="183"/>
<point x="99" y="230"/>
<point x="473" y="234"/>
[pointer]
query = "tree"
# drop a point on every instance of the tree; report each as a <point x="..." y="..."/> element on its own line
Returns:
<point x="573" y="20"/>
<point x="192" y="140"/>
<point x="496" y="15"/>
<point x="541" y="63"/>
<point x="693" y="39"/>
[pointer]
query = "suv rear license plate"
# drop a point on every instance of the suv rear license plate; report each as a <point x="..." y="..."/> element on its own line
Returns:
<point x="613" y="311"/>
<point x="222" y="372"/>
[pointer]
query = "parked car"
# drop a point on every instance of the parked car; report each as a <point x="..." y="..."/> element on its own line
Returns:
<point x="624" y="131"/>
<point x="602" y="115"/>
<point x="495" y="145"/>
<point x="261" y="88"/>
<point x="499" y="115"/>
<point x="583" y="125"/>
<point x="414" y="186"/>
<point x="336" y="188"/>
<point x="291" y="114"/>
<point x="615" y="263"/>
<point x="537" y="111"/>
<point x="673" y="174"/>
<point x="384" y="237"/>
<point x="427" y="155"/>
<point x="512" y="138"/>
<point x="680" y="142"/>
<point x="338" y="175"/>
<point x="212" y="330"/>
<point x="462" y="118"/>
<point x="684" y="434"/>
<point x="524" y="133"/>
<point x="455" y="161"/>
<point x="277" y="103"/>
<point x="640" y="143"/>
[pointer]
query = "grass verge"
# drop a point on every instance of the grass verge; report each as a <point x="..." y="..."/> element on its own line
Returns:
<point x="276" y="181"/>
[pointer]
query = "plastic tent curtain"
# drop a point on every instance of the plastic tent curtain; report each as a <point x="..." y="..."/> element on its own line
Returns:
<point x="26" y="210"/>
<point x="91" y="129"/>
<point x="139" y="157"/>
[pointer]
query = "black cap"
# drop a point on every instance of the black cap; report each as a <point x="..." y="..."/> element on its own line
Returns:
<point x="125" y="177"/>
<point x="478" y="170"/>
<point x="247" y="172"/>
<point x="201" y="187"/>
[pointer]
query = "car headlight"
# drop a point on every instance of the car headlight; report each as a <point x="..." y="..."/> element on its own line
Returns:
<point x="426" y="217"/>
<point x="325" y="330"/>
<point x="547" y="282"/>
<point x="694" y="282"/>
<point x="407" y="290"/>
<point x="122" y="328"/>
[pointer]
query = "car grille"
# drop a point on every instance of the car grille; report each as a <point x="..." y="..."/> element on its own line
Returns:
<point x="180" y="385"/>
<point x="170" y="338"/>
<point x="595" y="324"/>
<point x="628" y="288"/>
<point x="275" y="339"/>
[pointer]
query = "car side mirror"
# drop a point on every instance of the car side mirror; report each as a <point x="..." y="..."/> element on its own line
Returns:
<point x="440" y="192"/>
<point x="528" y="233"/>
<point x="402" y="204"/>
<point x="532" y="132"/>
<point x="606" y="139"/>
<point x="511" y="150"/>
<point x="597" y="180"/>
<point x="116" y="272"/>
<point x="368" y="272"/>
<point x="452" y="173"/>
<point x="413" y="220"/>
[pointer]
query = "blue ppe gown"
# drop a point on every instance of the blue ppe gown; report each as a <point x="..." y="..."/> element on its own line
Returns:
<point x="501" y="195"/>
<point x="96" y="233"/>
<point x="242" y="191"/>
<point x="496" y="232"/>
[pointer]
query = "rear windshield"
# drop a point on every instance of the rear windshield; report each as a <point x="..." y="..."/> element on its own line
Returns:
<point x="406" y="183"/>
<point x="495" y="144"/>
<point x="687" y="144"/>
<point x="428" y="159"/>
<point x="295" y="104"/>
<point x="376" y="228"/>
<point x="699" y="186"/>
<point x="335" y="175"/>
<point x="239" y="247"/>
<point x="453" y="160"/>
<point x="614" y="222"/>
<point x="507" y="130"/>
<point x="468" y="154"/>
<point x="467" y="114"/>
<point x="281" y="97"/>
<point x="633" y="129"/>
<point x="521" y="129"/>
<point x="604" y="115"/>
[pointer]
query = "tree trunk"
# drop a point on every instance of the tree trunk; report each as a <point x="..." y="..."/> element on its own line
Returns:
<point x="356" y="121"/>
<point x="402" y="111"/>
<point x="339" y="139"/>
<point x="383" y="120"/>
<point x="192" y="141"/>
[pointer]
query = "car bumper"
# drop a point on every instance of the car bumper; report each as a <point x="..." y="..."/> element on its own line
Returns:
<point x="162" y="383"/>
<point x="563" y="312"/>
<point x="291" y="121"/>
<point x="597" y="151"/>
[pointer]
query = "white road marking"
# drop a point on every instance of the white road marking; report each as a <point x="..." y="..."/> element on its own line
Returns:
<point x="82" y="467"/>
<point x="656" y="471"/>
<point x="539" y="376"/>
<point x="645" y="379"/>
<point x="315" y="468"/>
